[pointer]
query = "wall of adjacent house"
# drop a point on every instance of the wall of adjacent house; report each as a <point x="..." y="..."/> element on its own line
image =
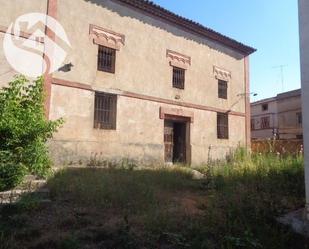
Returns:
<point x="257" y="113"/>
<point x="288" y="108"/>
<point x="11" y="10"/>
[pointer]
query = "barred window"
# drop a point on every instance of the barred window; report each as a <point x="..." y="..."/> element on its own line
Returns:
<point x="222" y="126"/>
<point x="106" y="59"/>
<point x="222" y="89"/>
<point x="178" y="78"/>
<point x="265" y="122"/>
<point x="105" y="111"/>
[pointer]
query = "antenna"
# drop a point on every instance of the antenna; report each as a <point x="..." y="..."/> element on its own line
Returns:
<point x="281" y="67"/>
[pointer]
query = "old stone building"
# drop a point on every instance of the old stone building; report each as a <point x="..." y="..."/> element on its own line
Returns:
<point x="278" y="117"/>
<point x="140" y="82"/>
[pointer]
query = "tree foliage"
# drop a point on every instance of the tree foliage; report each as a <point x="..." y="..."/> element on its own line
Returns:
<point x="24" y="131"/>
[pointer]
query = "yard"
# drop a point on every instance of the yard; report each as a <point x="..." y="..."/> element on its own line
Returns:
<point x="234" y="207"/>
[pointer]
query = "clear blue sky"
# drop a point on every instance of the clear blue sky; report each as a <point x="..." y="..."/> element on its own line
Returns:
<point x="271" y="26"/>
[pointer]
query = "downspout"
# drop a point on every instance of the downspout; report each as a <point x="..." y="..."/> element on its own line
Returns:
<point x="247" y="102"/>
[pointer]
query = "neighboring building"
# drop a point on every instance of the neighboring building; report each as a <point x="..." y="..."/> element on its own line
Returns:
<point x="145" y="84"/>
<point x="304" y="62"/>
<point x="264" y="121"/>
<point x="279" y="117"/>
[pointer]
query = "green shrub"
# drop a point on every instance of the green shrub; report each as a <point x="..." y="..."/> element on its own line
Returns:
<point x="24" y="131"/>
<point x="11" y="172"/>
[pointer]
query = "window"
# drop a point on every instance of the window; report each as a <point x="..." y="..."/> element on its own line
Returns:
<point x="106" y="59"/>
<point x="222" y="126"/>
<point x="264" y="107"/>
<point x="253" y="124"/>
<point x="105" y="111"/>
<point x="299" y="117"/>
<point x="299" y="137"/>
<point x="265" y="123"/>
<point x="178" y="78"/>
<point x="222" y="89"/>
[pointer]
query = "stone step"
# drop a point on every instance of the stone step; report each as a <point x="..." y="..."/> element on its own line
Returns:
<point x="13" y="196"/>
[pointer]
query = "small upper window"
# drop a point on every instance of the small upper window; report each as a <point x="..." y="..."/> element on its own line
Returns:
<point x="179" y="78"/>
<point x="106" y="59"/>
<point x="222" y="89"/>
<point x="265" y="107"/>
<point x="222" y="126"/>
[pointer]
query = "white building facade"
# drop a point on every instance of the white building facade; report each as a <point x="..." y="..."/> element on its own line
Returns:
<point x="304" y="57"/>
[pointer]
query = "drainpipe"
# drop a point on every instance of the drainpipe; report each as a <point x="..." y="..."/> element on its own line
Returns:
<point x="247" y="103"/>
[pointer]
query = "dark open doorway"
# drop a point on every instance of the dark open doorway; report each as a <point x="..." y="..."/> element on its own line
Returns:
<point x="176" y="139"/>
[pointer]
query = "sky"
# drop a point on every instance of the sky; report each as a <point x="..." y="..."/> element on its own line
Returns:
<point x="270" y="26"/>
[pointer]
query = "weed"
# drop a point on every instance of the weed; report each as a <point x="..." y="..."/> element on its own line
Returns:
<point x="70" y="242"/>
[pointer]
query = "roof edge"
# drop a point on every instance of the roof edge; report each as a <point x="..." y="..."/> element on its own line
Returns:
<point x="188" y="25"/>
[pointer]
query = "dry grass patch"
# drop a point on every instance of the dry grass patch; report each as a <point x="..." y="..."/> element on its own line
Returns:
<point x="234" y="207"/>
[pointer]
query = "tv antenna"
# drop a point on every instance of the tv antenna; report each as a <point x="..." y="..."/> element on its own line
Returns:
<point x="281" y="68"/>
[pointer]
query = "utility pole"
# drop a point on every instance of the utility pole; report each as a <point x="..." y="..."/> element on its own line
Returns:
<point x="281" y="67"/>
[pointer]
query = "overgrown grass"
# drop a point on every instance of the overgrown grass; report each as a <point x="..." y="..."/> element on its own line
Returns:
<point x="247" y="195"/>
<point x="234" y="207"/>
<point x="130" y="190"/>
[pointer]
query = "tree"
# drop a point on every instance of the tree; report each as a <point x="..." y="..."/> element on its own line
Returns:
<point x="24" y="131"/>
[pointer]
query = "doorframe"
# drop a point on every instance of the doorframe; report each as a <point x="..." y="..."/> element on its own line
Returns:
<point x="187" y="121"/>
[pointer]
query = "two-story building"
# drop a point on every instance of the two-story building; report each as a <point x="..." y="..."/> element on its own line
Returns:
<point x="264" y="119"/>
<point x="142" y="83"/>
<point x="277" y="117"/>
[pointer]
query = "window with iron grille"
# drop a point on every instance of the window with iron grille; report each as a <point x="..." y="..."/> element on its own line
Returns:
<point x="222" y="126"/>
<point x="265" y="123"/>
<point x="106" y="59"/>
<point x="178" y="78"/>
<point x="222" y="89"/>
<point x="105" y="111"/>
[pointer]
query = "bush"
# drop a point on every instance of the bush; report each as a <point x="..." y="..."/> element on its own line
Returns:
<point x="11" y="173"/>
<point x="24" y="131"/>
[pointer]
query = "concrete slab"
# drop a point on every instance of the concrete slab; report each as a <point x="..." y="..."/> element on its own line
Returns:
<point x="297" y="221"/>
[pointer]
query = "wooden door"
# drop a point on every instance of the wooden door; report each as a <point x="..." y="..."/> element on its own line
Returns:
<point x="179" y="143"/>
<point x="168" y="141"/>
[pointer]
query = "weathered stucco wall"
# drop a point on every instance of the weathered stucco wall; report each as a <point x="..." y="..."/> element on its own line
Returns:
<point x="141" y="67"/>
<point x="10" y="11"/>
<point x="288" y="109"/>
<point x="139" y="133"/>
<point x="141" y="64"/>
